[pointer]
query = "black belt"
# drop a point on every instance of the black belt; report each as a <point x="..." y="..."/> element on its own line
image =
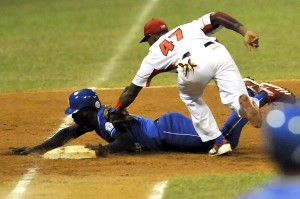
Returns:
<point x="187" y="54"/>
<point x="208" y="43"/>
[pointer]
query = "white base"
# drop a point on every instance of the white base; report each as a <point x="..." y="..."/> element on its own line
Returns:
<point x="70" y="152"/>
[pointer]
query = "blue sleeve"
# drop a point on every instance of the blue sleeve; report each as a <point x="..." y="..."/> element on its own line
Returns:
<point x="105" y="129"/>
<point x="145" y="132"/>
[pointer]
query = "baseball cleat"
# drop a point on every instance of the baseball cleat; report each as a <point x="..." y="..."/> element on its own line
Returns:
<point x="252" y="85"/>
<point x="252" y="111"/>
<point x="220" y="149"/>
<point x="278" y="93"/>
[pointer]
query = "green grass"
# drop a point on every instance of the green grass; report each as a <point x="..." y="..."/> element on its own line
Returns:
<point x="221" y="186"/>
<point x="63" y="43"/>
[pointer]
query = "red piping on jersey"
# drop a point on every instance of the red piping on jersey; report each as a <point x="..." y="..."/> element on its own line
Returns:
<point x="155" y="72"/>
<point x="208" y="28"/>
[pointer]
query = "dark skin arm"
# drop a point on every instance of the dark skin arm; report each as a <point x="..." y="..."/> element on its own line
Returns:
<point x="59" y="139"/>
<point x="62" y="137"/>
<point x="223" y="19"/>
<point x="127" y="97"/>
<point x="123" y="141"/>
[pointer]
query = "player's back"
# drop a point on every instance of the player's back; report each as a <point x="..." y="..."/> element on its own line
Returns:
<point x="170" y="47"/>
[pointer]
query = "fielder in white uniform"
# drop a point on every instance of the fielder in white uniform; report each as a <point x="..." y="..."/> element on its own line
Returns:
<point x="197" y="58"/>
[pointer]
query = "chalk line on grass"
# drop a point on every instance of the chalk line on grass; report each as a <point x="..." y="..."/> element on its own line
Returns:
<point x="158" y="190"/>
<point x="22" y="185"/>
<point x="124" y="43"/>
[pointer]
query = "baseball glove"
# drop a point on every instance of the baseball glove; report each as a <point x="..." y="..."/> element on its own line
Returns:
<point x="112" y="116"/>
<point x="251" y="40"/>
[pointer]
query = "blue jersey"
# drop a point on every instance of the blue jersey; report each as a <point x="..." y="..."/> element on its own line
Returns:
<point x="172" y="131"/>
<point x="105" y="129"/>
<point x="142" y="129"/>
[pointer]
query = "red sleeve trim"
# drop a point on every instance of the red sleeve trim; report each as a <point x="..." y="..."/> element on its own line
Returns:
<point x="208" y="29"/>
<point x="119" y="106"/>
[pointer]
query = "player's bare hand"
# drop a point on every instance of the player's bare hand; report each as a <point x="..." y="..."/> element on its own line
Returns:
<point x="21" y="150"/>
<point x="251" y="40"/>
<point x="100" y="150"/>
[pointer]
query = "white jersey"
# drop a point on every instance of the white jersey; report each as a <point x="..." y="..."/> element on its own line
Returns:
<point x="170" y="48"/>
<point x="212" y="62"/>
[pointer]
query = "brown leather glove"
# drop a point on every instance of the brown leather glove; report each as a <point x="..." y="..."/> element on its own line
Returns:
<point x="251" y="40"/>
<point x="112" y="116"/>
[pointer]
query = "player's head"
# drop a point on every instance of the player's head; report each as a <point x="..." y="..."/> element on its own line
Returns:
<point x="81" y="99"/>
<point x="282" y="128"/>
<point x="153" y="29"/>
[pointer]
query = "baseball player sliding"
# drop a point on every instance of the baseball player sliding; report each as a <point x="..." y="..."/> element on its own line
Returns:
<point x="170" y="132"/>
<point x="197" y="58"/>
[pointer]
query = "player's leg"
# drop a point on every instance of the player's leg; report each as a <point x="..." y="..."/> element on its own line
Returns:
<point x="233" y="126"/>
<point x="191" y="89"/>
<point x="265" y="93"/>
<point x="178" y="134"/>
<point x="275" y="93"/>
<point x="206" y="126"/>
<point x="232" y="90"/>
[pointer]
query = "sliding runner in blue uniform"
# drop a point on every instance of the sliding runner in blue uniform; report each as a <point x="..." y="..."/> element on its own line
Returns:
<point x="170" y="132"/>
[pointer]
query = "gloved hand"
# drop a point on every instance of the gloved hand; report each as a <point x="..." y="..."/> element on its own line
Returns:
<point x="113" y="116"/>
<point x="100" y="150"/>
<point x="21" y="150"/>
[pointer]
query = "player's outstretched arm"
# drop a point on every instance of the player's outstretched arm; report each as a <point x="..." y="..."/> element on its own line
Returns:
<point x="251" y="39"/>
<point x="123" y="142"/>
<point x="59" y="139"/>
<point x="128" y="96"/>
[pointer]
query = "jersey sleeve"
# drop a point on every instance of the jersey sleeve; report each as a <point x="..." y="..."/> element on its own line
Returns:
<point x="143" y="76"/>
<point x="153" y="64"/>
<point x="206" y="26"/>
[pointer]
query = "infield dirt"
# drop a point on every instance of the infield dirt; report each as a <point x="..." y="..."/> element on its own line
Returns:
<point x="28" y="118"/>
